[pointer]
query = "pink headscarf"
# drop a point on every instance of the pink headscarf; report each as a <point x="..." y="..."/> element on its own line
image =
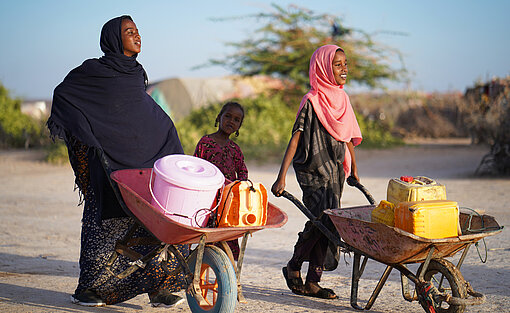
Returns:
<point x="330" y="101"/>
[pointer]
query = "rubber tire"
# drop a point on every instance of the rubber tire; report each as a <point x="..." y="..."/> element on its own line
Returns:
<point x="455" y="280"/>
<point x="219" y="262"/>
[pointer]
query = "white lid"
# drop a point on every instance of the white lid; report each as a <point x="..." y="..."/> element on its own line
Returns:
<point x="189" y="172"/>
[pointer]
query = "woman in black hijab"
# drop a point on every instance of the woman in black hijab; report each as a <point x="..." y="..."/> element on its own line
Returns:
<point x="104" y="115"/>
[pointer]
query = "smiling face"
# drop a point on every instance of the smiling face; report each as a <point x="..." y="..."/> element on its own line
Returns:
<point x="131" y="40"/>
<point x="231" y="120"/>
<point x="340" y="67"/>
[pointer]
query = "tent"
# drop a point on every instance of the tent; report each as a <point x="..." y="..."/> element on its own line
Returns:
<point x="178" y="96"/>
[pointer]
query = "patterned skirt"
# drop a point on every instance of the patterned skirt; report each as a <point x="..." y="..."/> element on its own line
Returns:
<point x="98" y="238"/>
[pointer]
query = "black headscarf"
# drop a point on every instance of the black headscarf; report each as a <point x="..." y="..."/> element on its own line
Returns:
<point x="103" y="104"/>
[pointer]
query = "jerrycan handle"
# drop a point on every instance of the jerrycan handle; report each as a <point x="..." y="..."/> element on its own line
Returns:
<point x="252" y="189"/>
<point x="220" y="217"/>
<point x="422" y="180"/>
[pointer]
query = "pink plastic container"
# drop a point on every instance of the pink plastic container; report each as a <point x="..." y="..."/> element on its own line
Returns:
<point x="185" y="188"/>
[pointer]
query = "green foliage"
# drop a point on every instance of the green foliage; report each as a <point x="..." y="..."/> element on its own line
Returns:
<point x="17" y="129"/>
<point x="56" y="153"/>
<point x="282" y="48"/>
<point x="264" y="133"/>
<point x="376" y="135"/>
<point x="266" y="128"/>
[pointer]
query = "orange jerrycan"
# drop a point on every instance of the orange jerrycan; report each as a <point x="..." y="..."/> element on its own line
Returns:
<point x="243" y="203"/>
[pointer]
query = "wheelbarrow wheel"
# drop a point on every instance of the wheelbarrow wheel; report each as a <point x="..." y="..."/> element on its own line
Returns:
<point x="447" y="279"/>
<point x="218" y="283"/>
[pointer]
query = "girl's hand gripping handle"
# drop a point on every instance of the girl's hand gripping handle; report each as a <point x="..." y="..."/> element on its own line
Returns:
<point x="352" y="181"/>
<point x="278" y="187"/>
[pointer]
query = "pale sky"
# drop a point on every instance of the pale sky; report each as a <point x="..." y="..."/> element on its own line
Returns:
<point x="450" y="44"/>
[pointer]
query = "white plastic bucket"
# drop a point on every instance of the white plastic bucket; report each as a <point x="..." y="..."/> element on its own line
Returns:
<point x="185" y="188"/>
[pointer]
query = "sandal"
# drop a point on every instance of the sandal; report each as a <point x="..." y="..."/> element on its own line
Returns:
<point x="323" y="293"/>
<point x="295" y="284"/>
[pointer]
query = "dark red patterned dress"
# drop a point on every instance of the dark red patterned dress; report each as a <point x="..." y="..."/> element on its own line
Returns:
<point x="230" y="161"/>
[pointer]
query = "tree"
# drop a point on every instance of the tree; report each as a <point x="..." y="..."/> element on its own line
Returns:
<point x="282" y="48"/>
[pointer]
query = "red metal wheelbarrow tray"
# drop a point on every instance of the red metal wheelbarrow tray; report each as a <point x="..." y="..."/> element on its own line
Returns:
<point x="133" y="185"/>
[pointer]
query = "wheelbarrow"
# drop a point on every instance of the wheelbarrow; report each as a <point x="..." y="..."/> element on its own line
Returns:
<point x="439" y="284"/>
<point x="212" y="274"/>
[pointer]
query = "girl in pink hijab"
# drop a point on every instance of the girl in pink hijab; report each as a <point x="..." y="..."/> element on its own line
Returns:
<point x="321" y="150"/>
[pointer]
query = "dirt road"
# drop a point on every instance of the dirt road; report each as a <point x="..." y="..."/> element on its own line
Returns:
<point x="40" y="235"/>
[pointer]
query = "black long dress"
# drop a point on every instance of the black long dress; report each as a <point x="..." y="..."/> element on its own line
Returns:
<point x="320" y="174"/>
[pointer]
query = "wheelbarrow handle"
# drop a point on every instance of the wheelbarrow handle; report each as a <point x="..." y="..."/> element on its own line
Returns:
<point x="352" y="181"/>
<point x="335" y="238"/>
<point x="299" y="204"/>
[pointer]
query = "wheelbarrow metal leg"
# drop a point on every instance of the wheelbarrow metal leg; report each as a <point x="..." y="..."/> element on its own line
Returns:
<point x="237" y="267"/>
<point x="463" y="256"/>
<point x="357" y="271"/>
<point x="195" y="287"/>
<point x="378" y="288"/>
<point x="244" y="242"/>
<point x="405" y="287"/>
<point x="426" y="263"/>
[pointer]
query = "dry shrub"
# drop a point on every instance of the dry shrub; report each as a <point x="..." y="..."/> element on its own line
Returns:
<point x="414" y="114"/>
<point x="487" y="116"/>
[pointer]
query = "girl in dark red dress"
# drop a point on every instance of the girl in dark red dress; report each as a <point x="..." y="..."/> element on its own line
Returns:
<point x="218" y="149"/>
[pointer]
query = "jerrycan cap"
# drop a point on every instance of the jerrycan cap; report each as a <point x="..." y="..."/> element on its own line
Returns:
<point x="407" y="179"/>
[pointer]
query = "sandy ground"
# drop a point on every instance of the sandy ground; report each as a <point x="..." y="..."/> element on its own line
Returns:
<point x="40" y="231"/>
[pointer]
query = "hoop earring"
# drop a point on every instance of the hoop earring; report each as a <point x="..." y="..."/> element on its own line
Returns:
<point x="237" y="133"/>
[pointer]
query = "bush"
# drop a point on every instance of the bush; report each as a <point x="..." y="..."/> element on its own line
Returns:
<point x="56" y="153"/>
<point x="376" y="135"/>
<point x="17" y="129"/>
<point x="266" y="128"/>
<point x="487" y="116"/>
<point x="414" y="114"/>
<point x="264" y="134"/>
<point x="486" y="111"/>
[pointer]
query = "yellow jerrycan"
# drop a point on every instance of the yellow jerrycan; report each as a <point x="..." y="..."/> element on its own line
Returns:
<point x="420" y="188"/>
<point x="432" y="219"/>
<point x="384" y="213"/>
